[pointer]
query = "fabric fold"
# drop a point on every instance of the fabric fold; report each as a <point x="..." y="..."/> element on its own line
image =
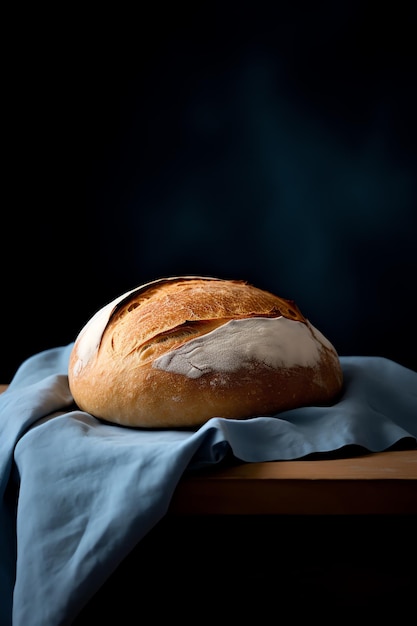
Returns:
<point x="78" y="494"/>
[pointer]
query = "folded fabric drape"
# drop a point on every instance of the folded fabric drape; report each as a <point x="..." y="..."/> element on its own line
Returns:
<point x="78" y="494"/>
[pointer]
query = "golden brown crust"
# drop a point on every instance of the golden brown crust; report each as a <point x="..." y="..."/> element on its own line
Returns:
<point x="123" y="381"/>
<point x="175" y="305"/>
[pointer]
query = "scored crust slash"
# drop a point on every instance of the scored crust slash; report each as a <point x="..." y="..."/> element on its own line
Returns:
<point x="178" y="351"/>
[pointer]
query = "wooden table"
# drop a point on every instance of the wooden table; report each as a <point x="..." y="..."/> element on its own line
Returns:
<point x="383" y="483"/>
<point x="379" y="483"/>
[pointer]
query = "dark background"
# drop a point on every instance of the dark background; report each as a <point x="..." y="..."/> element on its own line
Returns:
<point x="276" y="145"/>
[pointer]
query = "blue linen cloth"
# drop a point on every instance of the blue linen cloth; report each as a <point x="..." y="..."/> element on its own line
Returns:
<point x="67" y="480"/>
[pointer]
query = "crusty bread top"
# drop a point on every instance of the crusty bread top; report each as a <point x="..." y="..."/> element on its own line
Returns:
<point x="167" y="306"/>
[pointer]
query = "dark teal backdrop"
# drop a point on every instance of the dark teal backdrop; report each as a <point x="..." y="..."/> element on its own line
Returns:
<point x="235" y="140"/>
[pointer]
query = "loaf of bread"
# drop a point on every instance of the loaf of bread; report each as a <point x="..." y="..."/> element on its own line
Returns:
<point x="178" y="351"/>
